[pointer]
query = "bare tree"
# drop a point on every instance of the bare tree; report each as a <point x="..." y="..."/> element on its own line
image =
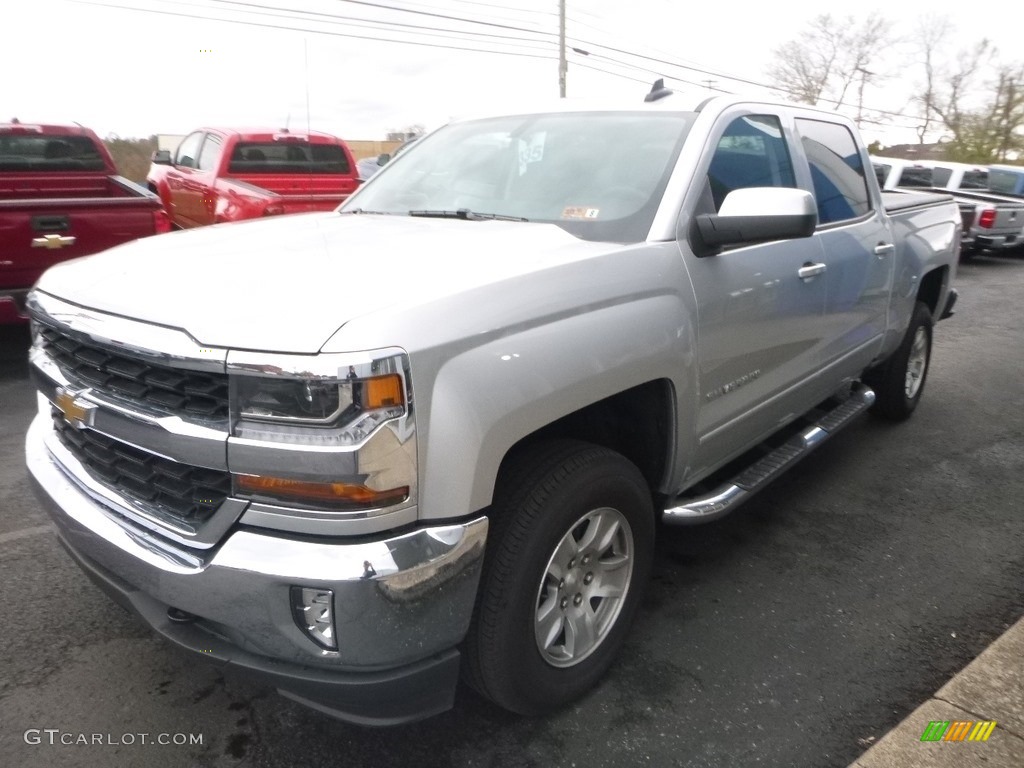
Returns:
<point x="932" y="35"/>
<point x="832" y="57"/>
<point x="978" y="102"/>
<point x="803" y="68"/>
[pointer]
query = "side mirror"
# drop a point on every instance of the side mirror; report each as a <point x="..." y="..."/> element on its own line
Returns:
<point x="382" y="158"/>
<point x="161" y="157"/>
<point x="757" y="215"/>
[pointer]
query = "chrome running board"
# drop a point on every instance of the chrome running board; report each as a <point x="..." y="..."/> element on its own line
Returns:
<point x="753" y="478"/>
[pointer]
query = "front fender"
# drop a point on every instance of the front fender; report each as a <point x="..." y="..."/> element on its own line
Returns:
<point x="487" y="398"/>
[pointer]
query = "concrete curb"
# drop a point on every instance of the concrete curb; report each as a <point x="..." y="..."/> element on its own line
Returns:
<point x="989" y="688"/>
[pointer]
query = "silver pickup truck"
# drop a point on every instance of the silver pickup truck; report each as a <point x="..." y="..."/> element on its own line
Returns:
<point x="356" y="453"/>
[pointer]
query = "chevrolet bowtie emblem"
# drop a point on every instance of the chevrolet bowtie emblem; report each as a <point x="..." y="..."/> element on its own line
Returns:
<point x="76" y="412"/>
<point x="52" y="242"/>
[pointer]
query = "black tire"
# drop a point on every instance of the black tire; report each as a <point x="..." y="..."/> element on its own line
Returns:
<point x="545" y="496"/>
<point x="899" y="382"/>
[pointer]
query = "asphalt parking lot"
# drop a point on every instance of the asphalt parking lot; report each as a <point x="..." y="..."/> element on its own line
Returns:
<point x="793" y="633"/>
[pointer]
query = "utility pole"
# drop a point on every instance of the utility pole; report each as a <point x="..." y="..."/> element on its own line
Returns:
<point x="561" y="49"/>
<point x="864" y="75"/>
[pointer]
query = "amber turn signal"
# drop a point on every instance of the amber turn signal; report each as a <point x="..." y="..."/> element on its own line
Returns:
<point x="382" y="392"/>
<point x="332" y="494"/>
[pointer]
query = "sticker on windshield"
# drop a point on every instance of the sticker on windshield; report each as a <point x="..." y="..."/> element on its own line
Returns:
<point x="580" y="212"/>
<point x="531" y="151"/>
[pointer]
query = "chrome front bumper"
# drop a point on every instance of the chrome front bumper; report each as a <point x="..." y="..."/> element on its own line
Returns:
<point x="407" y="613"/>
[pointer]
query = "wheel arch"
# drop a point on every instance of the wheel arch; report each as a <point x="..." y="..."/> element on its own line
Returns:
<point x="934" y="286"/>
<point x="638" y="423"/>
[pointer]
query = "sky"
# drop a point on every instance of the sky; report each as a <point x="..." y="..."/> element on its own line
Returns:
<point x="139" y="67"/>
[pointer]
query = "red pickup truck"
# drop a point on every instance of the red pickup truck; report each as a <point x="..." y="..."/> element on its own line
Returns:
<point x="60" y="198"/>
<point x="221" y="174"/>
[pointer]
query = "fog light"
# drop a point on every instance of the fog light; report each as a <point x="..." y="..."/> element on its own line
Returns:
<point x="313" y="610"/>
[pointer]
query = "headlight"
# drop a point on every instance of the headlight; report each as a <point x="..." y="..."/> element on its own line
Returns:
<point x="309" y="402"/>
<point x="329" y="406"/>
<point x="327" y="432"/>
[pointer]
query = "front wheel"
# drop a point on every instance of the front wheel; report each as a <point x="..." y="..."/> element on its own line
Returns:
<point x="899" y="382"/>
<point x="573" y="535"/>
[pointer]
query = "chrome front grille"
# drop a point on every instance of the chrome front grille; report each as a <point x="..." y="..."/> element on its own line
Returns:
<point x="193" y="395"/>
<point x="191" y="494"/>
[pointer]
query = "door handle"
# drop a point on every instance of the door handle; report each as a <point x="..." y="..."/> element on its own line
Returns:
<point x="883" y="248"/>
<point x="808" y="270"/>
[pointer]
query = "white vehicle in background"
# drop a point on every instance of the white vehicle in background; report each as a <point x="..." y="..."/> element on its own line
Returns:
<point x="991" y="222"/>
<point x="959" y="176"/>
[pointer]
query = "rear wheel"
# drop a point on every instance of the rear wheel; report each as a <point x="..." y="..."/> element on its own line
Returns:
<point x="571" y="550"/>
<point x="899" y="382"/>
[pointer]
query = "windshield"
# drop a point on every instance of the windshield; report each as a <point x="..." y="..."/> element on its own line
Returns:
<point x="598" y="175"/>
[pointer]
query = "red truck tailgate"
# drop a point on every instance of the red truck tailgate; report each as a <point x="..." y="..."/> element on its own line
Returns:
<point x="35" y="234"/>
<point x="303" y="192"/>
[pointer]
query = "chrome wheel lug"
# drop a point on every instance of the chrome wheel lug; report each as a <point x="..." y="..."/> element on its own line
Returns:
<point x="578" y="600"/>
<point x="588" y="578"/>
<point x="564" y="603"/>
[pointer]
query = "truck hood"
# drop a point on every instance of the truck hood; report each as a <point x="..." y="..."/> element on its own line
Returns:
<point x="287" y="284"/>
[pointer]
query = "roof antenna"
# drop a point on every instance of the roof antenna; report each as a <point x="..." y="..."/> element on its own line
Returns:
<point x="658" y="91"/>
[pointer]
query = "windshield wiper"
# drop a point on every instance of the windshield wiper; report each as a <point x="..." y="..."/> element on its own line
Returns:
<point x="465" y="214"/>
<point x="375" y="213"/>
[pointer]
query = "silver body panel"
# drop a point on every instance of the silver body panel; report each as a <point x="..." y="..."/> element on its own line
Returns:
<point x="503" y="328"/>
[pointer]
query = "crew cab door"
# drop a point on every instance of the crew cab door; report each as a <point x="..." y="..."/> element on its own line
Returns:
<point x="760" y="307"/>
<point x="183" y="182"/>
<point x="857" y="243"/>
<point x="205" y="178"/>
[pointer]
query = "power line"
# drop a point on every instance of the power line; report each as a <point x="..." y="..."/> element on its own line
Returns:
<point x="525" y="11"/>
<point x="729" y="77"/>
<point x="287" y="13"/>
<point x="463" y="35"/>
<point x="609" y="72"/>
<point x="445" y="16"/>
<point x="658" y="50"/>
<point x="311" y="31"/>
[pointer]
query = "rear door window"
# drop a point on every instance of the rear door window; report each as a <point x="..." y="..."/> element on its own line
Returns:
<point x="940" y="175"/>
<point x="974" y="180"/>
<point x="837" y="172"/>
<point x="917" y="176"/>
<point x="209" y="157"/>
